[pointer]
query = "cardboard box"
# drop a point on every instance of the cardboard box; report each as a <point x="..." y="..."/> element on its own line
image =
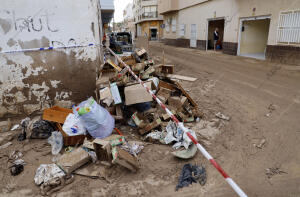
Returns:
<point x="150" y="126"/>
<point x="175" y="101"/>
<point x="138" y="94"/>
<point x="102" y="149"/>
<point x="69" y="162"/>
<point x="125" y="159"/>
<point x="104" y="77"/>
<point x="164" y="94"/>
<point x="167" y="69"/>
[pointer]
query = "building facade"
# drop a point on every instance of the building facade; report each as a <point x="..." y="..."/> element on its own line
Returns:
<point x="267" y="29"/>
<point x="147" y="20"/>
<point x="48" y="53"/>
<point x="107" y="14"/>
<point x="129" y="19"/>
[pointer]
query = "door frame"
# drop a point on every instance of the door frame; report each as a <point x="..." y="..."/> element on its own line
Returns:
<point x="207" y="26"/>
<point x="252" y="18"/>
<point x="151" y="34"/>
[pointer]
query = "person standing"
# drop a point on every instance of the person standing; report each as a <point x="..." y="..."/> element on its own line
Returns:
<point x="216" y="38"/>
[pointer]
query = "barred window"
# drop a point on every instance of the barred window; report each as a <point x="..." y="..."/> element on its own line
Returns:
<point x="289" y="27"/>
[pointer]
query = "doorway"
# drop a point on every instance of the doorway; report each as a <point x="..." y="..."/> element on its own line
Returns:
<point x="193" y="39"/>
<point x="212" y="25"/>
<point x="153" y="34"/>
<point x="254" y="33"/>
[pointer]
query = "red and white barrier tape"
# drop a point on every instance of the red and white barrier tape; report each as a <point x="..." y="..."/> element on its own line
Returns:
<point x="234" y="186"/>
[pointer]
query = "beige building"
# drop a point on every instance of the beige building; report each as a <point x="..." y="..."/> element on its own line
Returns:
<point x="268" y="29"/>
<point x="147" y="20"/>
<point x="129" y="25"/>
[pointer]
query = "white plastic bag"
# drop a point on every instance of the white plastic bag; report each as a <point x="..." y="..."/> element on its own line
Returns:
<point x="46" y="173"/>
<point x="96" y="119"/>
<point x="56" y="141"/>
<point x="73" y="126"/>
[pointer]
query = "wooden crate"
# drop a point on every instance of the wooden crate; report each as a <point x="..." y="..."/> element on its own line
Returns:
<point x="56" y="114"/>
<point x="70" y="140"/>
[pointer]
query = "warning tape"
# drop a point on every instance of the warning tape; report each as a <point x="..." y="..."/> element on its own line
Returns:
<point x="229" y="180"/>
<point x="48" y="48"/>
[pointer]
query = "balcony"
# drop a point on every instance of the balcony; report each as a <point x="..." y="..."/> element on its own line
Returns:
<point x="149" y="15"/>
<point x="165" y="6"/>
<point x="107" y="10"/>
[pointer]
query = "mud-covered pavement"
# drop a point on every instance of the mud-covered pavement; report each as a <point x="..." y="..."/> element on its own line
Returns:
<point x="262" y="100"/>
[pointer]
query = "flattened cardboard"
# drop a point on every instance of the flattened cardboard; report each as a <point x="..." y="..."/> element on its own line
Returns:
<point x="137" y="93"/>
<point x="69" y="162"/>
<point x="115" y="93"/>
<point x="105" y="93"/>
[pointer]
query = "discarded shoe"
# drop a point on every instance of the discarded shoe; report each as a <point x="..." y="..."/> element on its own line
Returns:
<point x="16" y="169"/>
<point x="191" y="174"/>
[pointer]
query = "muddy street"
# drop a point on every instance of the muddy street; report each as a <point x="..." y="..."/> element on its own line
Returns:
<point x="263" y="101"/>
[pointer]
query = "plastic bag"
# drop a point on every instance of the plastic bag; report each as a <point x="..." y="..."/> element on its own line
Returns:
<point x="56" y="141"/>
<point x="46" y="173"/>
<point x="73" y="126"/>
<point x="96" y="119"/>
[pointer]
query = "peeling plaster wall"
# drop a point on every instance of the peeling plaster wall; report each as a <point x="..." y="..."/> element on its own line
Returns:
<point x="29" y="81"/>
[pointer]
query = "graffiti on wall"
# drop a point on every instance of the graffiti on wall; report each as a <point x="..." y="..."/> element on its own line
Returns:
<point x="40" y="21"/>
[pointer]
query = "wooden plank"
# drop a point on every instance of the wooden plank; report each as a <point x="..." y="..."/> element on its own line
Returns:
<point x="186" y="94"/>
<point x="181" y="77"/>
<point x="166" y="85"/>
<point x="114" y="65"/>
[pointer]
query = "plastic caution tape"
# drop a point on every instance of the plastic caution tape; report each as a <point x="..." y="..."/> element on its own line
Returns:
<point x="48" y="48"/>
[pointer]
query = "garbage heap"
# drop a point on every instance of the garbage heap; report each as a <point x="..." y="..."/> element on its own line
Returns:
<point x="92" y="130"/>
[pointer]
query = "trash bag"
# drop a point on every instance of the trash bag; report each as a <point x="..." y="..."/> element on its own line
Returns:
<point x="41" y="129"/>
<point x="191" y="174"/>
<point x="16" y="169"/>
<point x="56" y="141"/>
<point x="73" y="126"/>
<point x="96" y="119"/>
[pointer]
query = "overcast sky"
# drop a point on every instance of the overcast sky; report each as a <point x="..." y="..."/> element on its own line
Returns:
<point x="120" y="5"/>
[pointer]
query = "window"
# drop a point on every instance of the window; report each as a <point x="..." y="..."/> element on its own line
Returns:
<point x="168" y="20"/>
<point x="289" y="27"/>
<point x="174" y="24"/>
<point x="182" y="30"/>
<point x="149" y="12"/>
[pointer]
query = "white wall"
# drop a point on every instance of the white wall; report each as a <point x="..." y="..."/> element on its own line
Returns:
<point x="30" y="78"/>
<point x="200" y="14"/>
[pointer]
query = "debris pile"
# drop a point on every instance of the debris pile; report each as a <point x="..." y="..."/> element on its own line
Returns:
<point x="89" y="131"/>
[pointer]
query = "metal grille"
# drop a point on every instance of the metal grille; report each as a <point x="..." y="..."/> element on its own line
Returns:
<point x="289" y="27"/>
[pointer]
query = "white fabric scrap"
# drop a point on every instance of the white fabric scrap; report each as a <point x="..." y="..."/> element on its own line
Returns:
<point x="175" y="134"/>
<point x="46" y="173"/>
